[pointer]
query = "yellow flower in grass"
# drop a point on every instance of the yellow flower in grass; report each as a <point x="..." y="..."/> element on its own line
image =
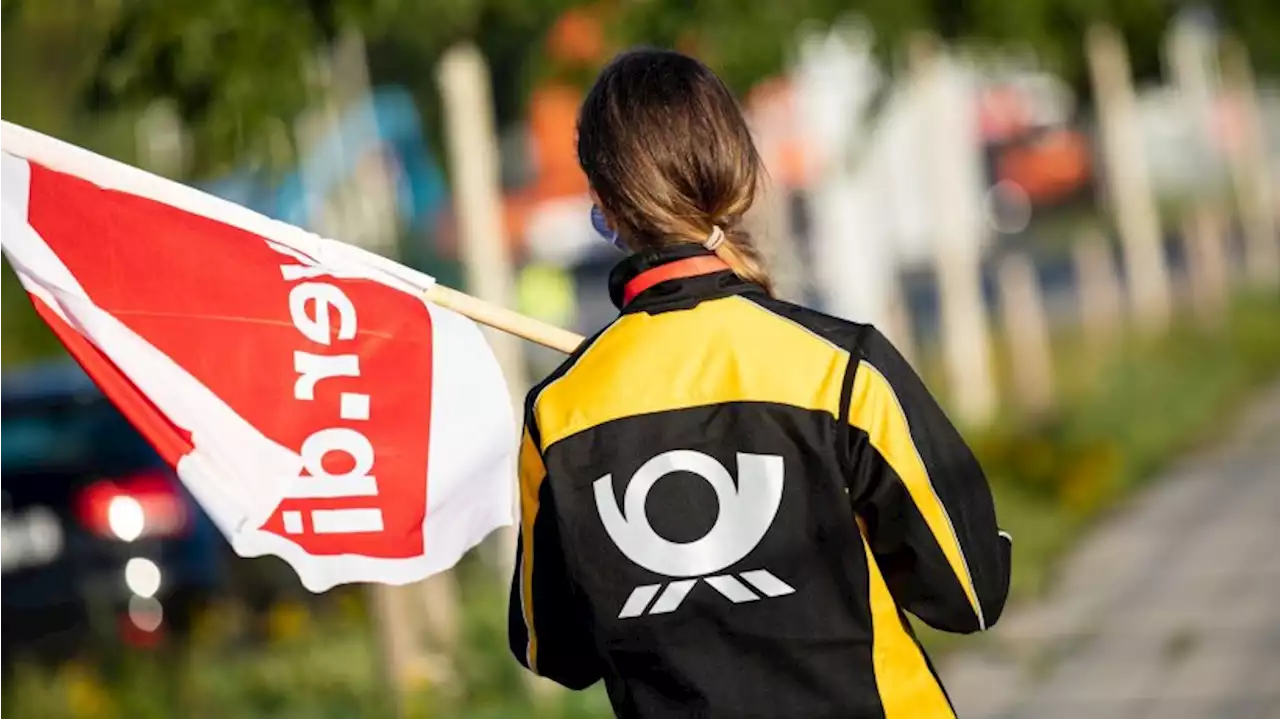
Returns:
<point x="287" y="620"/>
<point x="212" y="624"/>
<point x="1090" y="480"/>
<point x="351" y="605"/>
<point x="87" y="696"/>
<point x="1037" y="459"/>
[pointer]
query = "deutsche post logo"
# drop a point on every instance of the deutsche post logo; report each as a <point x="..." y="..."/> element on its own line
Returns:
<point x="746" y="513"/>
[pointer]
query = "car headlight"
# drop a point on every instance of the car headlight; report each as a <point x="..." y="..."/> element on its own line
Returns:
<point x="126" y="518"/>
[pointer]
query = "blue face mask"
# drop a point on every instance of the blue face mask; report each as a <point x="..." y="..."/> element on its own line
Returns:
<point x="602" y="227"/>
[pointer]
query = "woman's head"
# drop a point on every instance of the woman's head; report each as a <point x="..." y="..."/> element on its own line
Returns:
<point x="669" y="156"/>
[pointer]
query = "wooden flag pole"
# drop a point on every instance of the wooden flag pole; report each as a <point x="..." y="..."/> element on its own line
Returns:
<point x="501" y="318"/>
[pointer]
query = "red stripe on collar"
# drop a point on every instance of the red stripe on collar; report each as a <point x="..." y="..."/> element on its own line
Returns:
<point x="680" y="269"/>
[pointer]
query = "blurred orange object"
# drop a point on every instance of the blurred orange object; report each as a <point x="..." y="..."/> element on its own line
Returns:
<point x="577" y="37"/>
<point x="771" y="110"/>
<point x="1048" y="168"/>
<point x="553" y="121"/>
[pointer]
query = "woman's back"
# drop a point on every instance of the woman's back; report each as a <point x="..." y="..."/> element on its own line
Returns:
<point x="697" y="458"/>
<point x="727" y="500"/>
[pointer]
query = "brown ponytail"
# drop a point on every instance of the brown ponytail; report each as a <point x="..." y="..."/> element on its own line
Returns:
<point x="670" y="158"/>
<point x="742" y="256"/>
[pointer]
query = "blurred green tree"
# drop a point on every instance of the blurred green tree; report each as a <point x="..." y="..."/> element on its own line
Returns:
<point x="232" y="67"/>
<point x="235" y="67"/>
<point x="49" y="53"/>
<point x="1257" y="22"/>
<point x="746" y="42"/>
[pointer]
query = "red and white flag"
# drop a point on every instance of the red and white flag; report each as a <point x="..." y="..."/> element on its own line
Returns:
<point x="315" y="404"/>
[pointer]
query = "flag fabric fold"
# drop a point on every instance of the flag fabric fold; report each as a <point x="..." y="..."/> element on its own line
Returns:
<point x="306" y="393"/>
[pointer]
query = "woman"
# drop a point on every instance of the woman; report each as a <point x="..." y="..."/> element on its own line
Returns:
<point x="729" y="501"/>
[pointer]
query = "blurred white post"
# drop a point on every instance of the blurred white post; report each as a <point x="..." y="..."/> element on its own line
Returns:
<point x="1098" y="291"/>
<point x="1251" y="174"/>
<point x="163" y="146"/>
<point x="769" y="222"/>
<point x="951" y="142"/>
<point x="463" y="77"/>
<point x="893" y="313"/>
<point x="1190" y="57"/>
<point x="1128" y="178"/>
<point x="1206" y="261"/>
<point x="853" y="255"/>
<point x="1026" y="330"/>
<point x="395" y="645"/>
<point x="854" y="262"/>
<point x="472" y="144"/>
<point x="416" y="628"/>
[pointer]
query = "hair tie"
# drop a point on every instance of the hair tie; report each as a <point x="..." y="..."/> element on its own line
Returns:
<point x="715" y="239"/>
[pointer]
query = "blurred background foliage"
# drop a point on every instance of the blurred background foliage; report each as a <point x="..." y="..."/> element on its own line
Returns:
<point x="236" y="68"/>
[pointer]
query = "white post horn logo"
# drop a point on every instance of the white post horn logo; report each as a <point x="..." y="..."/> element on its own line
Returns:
<point x="746" y="512"/>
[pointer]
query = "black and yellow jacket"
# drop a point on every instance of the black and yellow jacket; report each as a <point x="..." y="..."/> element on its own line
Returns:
<point x="729" y="501"/>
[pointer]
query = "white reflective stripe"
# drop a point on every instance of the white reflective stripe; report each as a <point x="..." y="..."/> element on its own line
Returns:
<point x="672" y="596"/>
<point x="1006" y="535"/>
<point x="732" y="589"/>
<point x="766" y="582"/>
<point x="639" y="599"/>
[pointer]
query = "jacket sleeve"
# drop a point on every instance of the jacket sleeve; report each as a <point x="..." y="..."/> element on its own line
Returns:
<point x="547" y="619"/>
<point x="923" y="500"/>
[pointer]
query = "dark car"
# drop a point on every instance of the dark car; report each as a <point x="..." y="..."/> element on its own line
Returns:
<point x="100" y="539"/>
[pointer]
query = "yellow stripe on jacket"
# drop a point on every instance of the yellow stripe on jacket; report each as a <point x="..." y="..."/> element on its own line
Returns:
<point x="704" y="356"/>
<point x="875" y="409"/>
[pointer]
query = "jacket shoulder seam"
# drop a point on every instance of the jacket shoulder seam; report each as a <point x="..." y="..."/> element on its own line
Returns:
<point x="842" y="334"/>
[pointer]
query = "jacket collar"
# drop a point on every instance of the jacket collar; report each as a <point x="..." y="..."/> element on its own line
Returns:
<point x="679" y="293"/>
